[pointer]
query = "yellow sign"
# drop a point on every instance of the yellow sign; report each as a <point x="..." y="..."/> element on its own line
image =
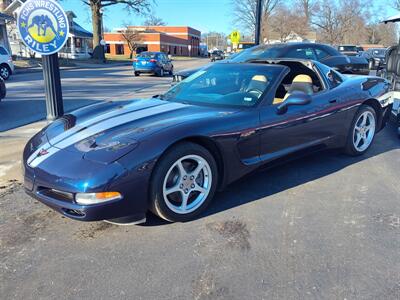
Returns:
<point x="235" y="37"/>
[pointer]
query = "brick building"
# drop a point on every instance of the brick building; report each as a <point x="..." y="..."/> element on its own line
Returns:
<point x="176" y="40"/>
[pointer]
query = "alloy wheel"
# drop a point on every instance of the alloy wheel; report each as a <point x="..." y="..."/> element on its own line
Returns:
<point x="187" y="184"/>
<point x="364" y="131"/>
<point x="4" y="72"/>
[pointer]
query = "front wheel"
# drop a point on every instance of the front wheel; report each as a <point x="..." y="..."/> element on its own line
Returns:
<point x="371" y="64"/>
<point x="183" y="183"/>
<point x="362" y="131"/>
<point x="137" y="73"/>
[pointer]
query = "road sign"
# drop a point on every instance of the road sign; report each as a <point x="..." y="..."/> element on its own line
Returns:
<point x="43" y="26"/>
<point x="235" y="37"/>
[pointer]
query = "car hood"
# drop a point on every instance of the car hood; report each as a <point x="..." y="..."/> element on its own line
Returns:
<point x="134" y="119"/>
<point x="108" y="130"/>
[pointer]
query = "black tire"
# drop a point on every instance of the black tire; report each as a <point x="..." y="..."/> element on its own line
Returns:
<point x="160" y="73"/>
<point x="158" y="204"/>
<point x="5" y="72"/>
<point x="371" y="64"/>
<point x="137" y="73"/>
<point x="350" y="148"/>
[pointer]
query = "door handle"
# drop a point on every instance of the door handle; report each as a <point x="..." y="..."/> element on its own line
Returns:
<point x="333" y="101"/>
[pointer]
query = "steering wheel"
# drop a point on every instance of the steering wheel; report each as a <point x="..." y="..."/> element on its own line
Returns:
<point x="256" y="92"/>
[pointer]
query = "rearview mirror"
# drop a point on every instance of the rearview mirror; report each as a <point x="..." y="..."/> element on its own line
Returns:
<point x="297" y="98"/>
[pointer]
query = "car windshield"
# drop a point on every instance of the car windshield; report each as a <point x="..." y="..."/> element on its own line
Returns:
<point x="147" y="55"/>
<point x="348" y="48"/>
<point x="379" y="52"/>
<point x="257" y="53"/>
<point x="226" y="85"/>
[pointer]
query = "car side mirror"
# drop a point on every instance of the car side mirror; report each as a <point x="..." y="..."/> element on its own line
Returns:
<point x="297" y="98"/>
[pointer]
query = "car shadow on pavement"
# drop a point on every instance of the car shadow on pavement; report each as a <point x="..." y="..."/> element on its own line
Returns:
<point x="269" y="181"/>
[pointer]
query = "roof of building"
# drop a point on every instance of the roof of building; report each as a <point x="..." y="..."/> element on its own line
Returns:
<point x="79" y="31"/>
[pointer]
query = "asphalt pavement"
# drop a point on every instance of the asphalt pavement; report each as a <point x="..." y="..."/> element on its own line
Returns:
<point x="25" y="100"/>
<point x="324" y="227"/>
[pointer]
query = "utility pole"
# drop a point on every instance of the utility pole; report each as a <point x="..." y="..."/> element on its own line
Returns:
<point x="258" y="22"/>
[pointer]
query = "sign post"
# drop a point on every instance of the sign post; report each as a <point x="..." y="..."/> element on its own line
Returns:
<point x="44" y="27"/>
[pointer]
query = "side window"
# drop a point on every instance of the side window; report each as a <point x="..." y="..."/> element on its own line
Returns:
<point x="304" y="53"/>
<point x="3" y="51"/>
<point x="321" y="54"/>
<point x="334" y="78"/>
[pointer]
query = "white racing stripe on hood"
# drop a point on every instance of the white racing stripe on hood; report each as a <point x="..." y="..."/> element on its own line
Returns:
<point x="101" y="118"/>
<point x="34" y="160"/>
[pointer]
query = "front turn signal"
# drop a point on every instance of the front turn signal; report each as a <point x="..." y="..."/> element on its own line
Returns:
<point x="96" y="198"/>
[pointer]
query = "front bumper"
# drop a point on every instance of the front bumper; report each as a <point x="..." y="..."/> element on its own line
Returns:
<point x="97" y="212"/>
<point x="70" y="174"/>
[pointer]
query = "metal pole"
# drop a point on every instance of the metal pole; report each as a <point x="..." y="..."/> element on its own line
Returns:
<point x="52" y="86"/>
<point x="258" y="22"/>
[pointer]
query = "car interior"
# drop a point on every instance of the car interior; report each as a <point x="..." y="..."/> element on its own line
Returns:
<point x="300" y="79"/>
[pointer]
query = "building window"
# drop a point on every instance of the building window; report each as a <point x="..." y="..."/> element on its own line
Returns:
<point x="108" y="50"/>
<point x="78" y="42"/>
<point x="119" y="49"/>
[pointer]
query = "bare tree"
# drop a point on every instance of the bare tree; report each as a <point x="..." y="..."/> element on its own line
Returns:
<point x="307" y="8"/>
<point x="245" y="12"/>
<point x="284" y="21"/>
<point x="344" y="21"/>
<point x="97" y="7"/>
<point x="152" y="20"/>
<point x="396" y="4"/>
<point x="132" y="38"/>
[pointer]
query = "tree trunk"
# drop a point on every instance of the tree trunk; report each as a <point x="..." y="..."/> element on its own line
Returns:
<point x="98" y="50"/>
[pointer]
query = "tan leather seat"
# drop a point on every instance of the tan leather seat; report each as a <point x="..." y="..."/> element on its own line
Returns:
<point x="302" y="83"/>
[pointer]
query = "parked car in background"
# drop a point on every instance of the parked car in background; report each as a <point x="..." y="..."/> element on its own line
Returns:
<point x="318" y="52"/>
<point x="350" y="50"/>
<point x="156" y="63"/>
<point x="6" y="63"/>
<point x="217" y="55"/>
<point x="376" y="58"/>
<point x="116" y="160"/>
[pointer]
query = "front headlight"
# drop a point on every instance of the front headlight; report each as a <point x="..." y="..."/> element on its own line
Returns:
<point x="96" y="198"/>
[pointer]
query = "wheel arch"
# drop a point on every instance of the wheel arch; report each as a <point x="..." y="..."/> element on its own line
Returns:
<point x="378" y="110"/>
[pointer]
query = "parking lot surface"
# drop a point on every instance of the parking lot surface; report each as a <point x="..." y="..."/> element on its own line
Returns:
<point x="323" y="227"/>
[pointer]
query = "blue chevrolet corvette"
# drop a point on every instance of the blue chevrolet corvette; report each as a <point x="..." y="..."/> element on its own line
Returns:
<point x="115" y="161"/>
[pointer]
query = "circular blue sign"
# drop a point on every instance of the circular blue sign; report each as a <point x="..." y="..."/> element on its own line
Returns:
<point x="43" y="26"/>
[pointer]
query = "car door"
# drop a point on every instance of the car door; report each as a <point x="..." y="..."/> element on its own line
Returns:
<point x="304" y="126"/>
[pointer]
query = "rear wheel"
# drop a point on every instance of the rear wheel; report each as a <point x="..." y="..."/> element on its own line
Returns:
<point x="362" y="131"/>
<point x="184" y="183"/>
<point x="160" y="73"/>
<point x="137" y="73"/>
<point x="5" y="72"/>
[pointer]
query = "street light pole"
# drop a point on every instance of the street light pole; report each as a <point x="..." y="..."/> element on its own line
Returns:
<point x="258" y="22"/>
